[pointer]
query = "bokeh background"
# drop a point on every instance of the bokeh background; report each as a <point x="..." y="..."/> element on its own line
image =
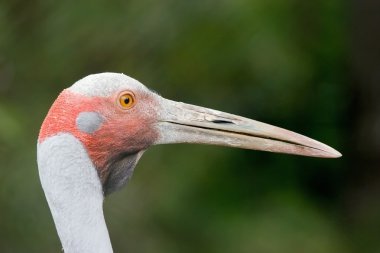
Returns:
<point x="309" y="66"/>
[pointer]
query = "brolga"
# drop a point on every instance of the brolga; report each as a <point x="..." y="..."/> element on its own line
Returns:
<point x="96" y="131"/>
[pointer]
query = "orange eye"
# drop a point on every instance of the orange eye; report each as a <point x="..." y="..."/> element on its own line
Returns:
<point x="126" y="100"/>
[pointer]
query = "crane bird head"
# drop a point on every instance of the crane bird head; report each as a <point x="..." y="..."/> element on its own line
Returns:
<point x="114" y="119"/>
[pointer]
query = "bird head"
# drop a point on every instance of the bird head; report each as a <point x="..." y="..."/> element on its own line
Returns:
<point x="116" y="118"/>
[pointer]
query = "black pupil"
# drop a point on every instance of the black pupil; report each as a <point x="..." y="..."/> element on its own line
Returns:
<point x="126" y="100"/>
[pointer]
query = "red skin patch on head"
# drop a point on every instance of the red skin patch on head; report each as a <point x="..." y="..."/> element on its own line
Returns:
<point x="62" y="115"/>
<point x="122" y="131"/>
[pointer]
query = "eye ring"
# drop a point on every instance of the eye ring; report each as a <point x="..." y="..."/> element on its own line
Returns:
<point x="126" y="100"/>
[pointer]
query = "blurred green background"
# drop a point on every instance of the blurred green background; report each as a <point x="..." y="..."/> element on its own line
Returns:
<point x="309" y="66"/>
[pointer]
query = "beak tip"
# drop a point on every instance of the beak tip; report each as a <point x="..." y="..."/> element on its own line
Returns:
<point x="332" y="153"/>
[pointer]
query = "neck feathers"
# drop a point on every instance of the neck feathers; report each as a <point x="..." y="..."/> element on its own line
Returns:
<point x="74" y="194"/>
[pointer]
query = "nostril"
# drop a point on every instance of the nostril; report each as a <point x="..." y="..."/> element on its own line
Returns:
<point x="219" y="121"/>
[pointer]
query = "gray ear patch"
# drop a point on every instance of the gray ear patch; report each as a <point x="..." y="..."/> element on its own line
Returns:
<point x="89" y="122"/>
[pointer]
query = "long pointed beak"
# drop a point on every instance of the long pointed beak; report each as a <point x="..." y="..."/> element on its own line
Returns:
<point x="184" y="123"/>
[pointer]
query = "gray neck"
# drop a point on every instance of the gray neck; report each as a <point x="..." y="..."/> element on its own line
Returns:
<point x="74" y="194"/>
